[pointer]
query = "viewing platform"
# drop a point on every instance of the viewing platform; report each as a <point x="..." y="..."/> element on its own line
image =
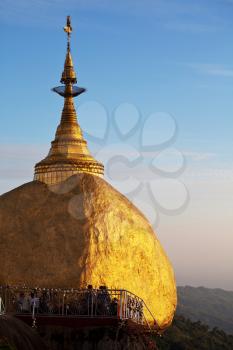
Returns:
<point x="86" y="307"/>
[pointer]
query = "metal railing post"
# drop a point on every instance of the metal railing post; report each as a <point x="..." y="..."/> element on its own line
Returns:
<point x="6" y="299"/>
<point x="125" y="304"/>
<point x="92" y="304"/>
<point x="59" y="303"/>
<point x="63" y="304"/>
<point x="121" y="303"/>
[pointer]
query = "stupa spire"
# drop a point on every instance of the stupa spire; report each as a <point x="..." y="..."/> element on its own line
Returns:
<point x="68" y="75"/>
<point x="69" y="154"/>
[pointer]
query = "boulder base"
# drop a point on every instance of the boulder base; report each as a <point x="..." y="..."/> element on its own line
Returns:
<point x="83" y="232"/>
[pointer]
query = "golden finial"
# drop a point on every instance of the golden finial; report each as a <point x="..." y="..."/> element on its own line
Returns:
<point x="68" y="30"/>
<point x="68" y="75"/>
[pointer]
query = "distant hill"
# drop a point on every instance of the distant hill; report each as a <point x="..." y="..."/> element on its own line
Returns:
<point x="213" y="307"/>
<point x="187" y="335"/>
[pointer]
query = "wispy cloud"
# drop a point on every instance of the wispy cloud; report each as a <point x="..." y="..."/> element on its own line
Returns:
<point x="209" y="176"/>
<point x="212" y="69"/>
<point x="222" y="72"/>
<point x="199" y="156"/>
<point x="190" y="26"/>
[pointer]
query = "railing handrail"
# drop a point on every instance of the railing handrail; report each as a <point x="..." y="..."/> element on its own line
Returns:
<point x="122" y="295"/>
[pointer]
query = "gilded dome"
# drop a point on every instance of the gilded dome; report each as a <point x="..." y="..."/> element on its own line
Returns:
<point x="81" y="232"/>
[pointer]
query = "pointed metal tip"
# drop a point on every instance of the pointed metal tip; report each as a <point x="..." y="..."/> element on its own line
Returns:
<point x="68" y="27"/>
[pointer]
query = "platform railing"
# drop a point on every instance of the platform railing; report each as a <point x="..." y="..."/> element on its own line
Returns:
<point x="88" y="302"/>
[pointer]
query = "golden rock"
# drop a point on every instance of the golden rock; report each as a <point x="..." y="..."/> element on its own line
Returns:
<point x="83" y="232"/>
<point x="70" y="228"/>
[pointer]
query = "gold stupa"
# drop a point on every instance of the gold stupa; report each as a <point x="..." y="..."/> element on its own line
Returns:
<point x="69" y="154"/>
<point x="79" y="230"/>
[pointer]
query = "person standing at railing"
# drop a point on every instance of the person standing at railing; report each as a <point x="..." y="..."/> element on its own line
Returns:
<point x="107" y="300"/>
<point x="133" y="313"/>
<point x="19" y="302"/>
<point x="55" y="303"/>
<point x="103" y="301"/>
<point x="140" y="312"/>
<point x="67" y="307"/>
<point x="114" y="307"/>
<point x="90" y="300"/>
<point x="136" y="311"/>
<point x="129" y="307"/>
<point x="44" y="303"/>
<point x="2" y="309"/>
<point x="100" y="301"/>
<point x="26" y="304"/>
<point x="35" y="302"/>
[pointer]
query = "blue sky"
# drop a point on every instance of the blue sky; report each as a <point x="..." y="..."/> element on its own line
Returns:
<point x="161" y="56"/>
<point x="173" y="56"/>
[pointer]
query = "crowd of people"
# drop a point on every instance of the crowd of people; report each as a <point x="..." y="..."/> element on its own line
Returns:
<point x="134" y="309"/>
<point x="86" y="302"/>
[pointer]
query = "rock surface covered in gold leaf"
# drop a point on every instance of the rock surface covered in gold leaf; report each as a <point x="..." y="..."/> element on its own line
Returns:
<point x="83" y="232"/>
